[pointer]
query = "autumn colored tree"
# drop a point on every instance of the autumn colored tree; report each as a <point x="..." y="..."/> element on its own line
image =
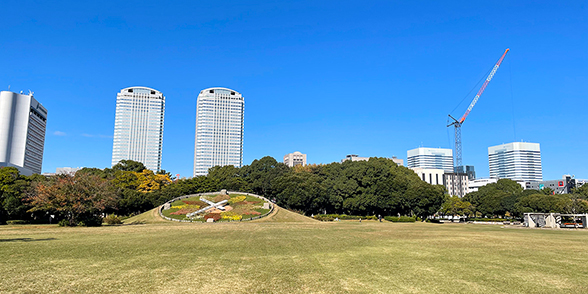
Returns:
<point x="80" y="198"/>
<point x="149" y="181"/>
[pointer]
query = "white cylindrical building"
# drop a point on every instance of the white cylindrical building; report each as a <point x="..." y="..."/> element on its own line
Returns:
<point x="219" y="129"/>
<point x="23" y="122"/>
<point x="138" y="126"/>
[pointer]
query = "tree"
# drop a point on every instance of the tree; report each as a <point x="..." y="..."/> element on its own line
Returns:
<point x="456" y="206"/>
<point x="261" y="175"/>
<point x="78" y="198"/>
<point x="149" y="181"/>
<point x="13" y="185"/>
<point x="540" y="202"/>
<point x="426" y="199"/>
<point x="129" y="165"/>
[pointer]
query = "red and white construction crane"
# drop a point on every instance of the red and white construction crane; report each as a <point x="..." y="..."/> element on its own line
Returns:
<point x="457" y="123"/>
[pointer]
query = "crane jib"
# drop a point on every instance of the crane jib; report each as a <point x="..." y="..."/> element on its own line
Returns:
<point x="488" y="79"/>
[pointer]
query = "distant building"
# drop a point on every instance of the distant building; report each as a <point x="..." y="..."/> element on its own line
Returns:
<point x="355" y="157"/>
<point x="433" y="176"/>
<point x="138" y="126"/>
<point x="469" y="171"/>
<point x="438" y="158"/>
<point x="23" y="122"/>
<point x="219" y="129"/>
<point x="398" y="161"/>
<point x="474" y="185"/>
<point x="67" y="170"/>
<point x="517" y="161"/>
<point x="293" y="159"/>
<point x="563" y="186"/>
<point x="451" y="181"/>
<point x="456" y="184"/>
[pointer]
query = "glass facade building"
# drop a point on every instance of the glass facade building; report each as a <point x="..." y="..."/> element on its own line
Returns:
<point x="438" y="158"/>
<point x="517" y="161"/>
<point x="219" y="129"/>
<point x="138" y="126"/>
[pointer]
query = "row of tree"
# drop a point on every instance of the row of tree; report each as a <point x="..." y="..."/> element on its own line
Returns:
<point x="506" y="198"/>
<point x="374" y="187"/>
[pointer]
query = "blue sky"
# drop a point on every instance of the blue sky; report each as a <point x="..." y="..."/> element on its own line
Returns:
<point x="327" y="78"/>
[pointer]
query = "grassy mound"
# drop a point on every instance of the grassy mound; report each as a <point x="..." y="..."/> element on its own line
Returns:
<point x="282" y="215"/>
<point x="148" y="217"/>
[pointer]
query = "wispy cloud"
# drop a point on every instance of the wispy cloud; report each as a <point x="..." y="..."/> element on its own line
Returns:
<point x="58" y="133"/>
<point x="96" y="136"/>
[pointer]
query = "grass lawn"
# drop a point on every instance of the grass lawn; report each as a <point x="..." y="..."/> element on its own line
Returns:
<point x="289" y="253"/>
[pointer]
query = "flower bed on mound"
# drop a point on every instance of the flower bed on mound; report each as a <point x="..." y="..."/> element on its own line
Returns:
<point x="238" y="207"/>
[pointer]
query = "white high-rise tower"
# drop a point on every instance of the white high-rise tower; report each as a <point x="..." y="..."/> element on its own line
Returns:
<point x="219" y="129"/>
<point x="518" y="161"/>
<point x="138" y="126"/>
<point x="22" y="132"/>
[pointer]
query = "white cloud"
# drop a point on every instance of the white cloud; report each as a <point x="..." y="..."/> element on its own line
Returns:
<point x="58" y="133"/>
<point x="96" y="136"/>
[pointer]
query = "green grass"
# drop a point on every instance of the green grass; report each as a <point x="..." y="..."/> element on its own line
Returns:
<point x="290" y="253"/>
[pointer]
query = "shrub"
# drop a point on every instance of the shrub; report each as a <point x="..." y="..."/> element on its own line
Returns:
<point x="237" y="199"/>
<point x="17" y="222"/>
<point x="400" y="219"/>
<point x="64" y="223"/>
<point x="332" y="217"/>
<point x="480" y="219"/>
<point x="229" y="215"/>
<point x="113" y="219"/>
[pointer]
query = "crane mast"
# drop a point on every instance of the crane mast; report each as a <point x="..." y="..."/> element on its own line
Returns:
<point x="457" y="123"/>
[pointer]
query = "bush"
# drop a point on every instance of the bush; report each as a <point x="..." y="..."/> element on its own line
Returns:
<point x="112" y="219"/>
<point x="17" y="222"/>
<point x="91" y="221"/>
<point x="400" y="219"/>
<point x="332" y="217"/>
<point x="480" y="219"/>
<point x="63" y="223"/>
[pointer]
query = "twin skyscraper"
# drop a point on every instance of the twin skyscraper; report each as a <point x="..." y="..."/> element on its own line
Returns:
<point x="138" y="128"/>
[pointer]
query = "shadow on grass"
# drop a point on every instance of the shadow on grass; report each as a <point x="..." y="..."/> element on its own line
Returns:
<point x="26" y="240"/>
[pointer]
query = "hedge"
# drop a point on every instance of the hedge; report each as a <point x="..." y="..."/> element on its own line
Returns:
<point x="332" y="217"/>
<point x="400" y="219"/>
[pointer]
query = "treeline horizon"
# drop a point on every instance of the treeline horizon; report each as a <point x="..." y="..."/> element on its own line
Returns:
<point x="374" y="187"/>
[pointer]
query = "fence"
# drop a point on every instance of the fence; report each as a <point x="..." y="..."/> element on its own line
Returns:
<point x="160" y="210"/>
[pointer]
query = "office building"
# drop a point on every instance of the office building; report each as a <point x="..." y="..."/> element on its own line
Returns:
<point x="455" y="183"/>
<point x="437" y="158"/>
<point x="433" y="176"/>
<point x="23" y="122"/>
<point x="296" y="158"/>
<point x="67" y="170"/>
<point x="219" y="129"/>
<point x="563" y="186"/>
<point x="468" y="170"/>
<point x="474" y="185"/>
<point x="355" y="157"/>
<point x="517" y="161"/>
<point x="138" y="126"/>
